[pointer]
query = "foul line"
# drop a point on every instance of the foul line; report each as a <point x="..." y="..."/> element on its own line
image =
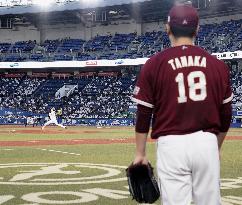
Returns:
<point x="57" y="151"/>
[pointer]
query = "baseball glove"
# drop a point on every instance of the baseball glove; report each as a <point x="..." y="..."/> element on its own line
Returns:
<point x="143" y="186"/>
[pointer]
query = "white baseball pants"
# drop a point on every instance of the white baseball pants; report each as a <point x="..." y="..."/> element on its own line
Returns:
<point x="53" y="121"/>
<point x="188" y="168"/>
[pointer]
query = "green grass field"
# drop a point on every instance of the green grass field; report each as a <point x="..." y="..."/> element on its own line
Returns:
<point x="87" y="173"/>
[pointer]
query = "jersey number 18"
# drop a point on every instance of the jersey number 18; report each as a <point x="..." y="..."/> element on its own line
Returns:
<point x="197" y="90"/>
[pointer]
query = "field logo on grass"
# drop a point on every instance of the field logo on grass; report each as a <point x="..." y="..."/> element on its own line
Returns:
<point x="55" y="174"/>
<point x="66" y="173"/>
<point x="229" y="183"/>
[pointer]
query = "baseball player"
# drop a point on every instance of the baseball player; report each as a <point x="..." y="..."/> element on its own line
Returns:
<point x="188" y="92"/>
<point x="29" y="120"/>
<point x="59" y="115"/>
<point x="53" y="120"/>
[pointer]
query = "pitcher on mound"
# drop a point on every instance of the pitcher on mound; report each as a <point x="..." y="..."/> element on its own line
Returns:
<point x="53" y="120"/>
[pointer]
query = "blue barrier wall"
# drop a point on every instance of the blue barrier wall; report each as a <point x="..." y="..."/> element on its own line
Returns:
<point x="76" y="122"/>
<point x="5" y="118"/>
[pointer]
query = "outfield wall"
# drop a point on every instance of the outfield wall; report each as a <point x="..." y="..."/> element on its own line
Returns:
<point x="236" y="122"/>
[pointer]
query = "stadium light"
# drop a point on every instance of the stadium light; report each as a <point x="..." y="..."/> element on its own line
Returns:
<point x="43" y="4"/>
<point x="90" y="2"/>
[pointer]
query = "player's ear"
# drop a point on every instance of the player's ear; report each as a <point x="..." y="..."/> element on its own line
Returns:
<point x="168" y="29"/>
<point x="197" y="30"/>
<point x="169" y="33"/>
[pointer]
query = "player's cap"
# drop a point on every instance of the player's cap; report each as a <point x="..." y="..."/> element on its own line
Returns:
<point x="183" y="16"/>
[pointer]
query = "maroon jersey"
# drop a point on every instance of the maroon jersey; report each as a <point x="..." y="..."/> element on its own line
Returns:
<point x="186" y="88"/>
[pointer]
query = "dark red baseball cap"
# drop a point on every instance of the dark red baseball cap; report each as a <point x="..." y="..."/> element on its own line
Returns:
<point x="183" y="16"/>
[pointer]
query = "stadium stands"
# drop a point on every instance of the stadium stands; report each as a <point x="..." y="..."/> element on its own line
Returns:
<point x="4" y="47"/>
<point x="96" y="96"/>
<point x="226" y="36"/>
<point x="23" y="47"/>
<point x="236" y="81"/>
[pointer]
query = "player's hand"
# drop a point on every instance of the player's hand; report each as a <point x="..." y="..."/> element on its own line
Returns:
<point x="140" y="160"/>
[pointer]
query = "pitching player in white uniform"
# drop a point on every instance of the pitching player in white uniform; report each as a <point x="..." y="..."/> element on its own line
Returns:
<point x="189" y="94"/>
<point x="53" y="120"/>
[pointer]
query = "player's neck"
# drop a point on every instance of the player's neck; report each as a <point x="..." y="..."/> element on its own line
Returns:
<point x="181" y="41"/>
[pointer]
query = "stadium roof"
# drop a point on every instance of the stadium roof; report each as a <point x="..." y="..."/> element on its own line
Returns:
<point x="36" y="6"/>
<point x="76" y="11"/>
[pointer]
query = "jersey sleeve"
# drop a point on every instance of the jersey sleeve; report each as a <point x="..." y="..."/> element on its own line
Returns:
<point x="228" y="96"/>
<point x="143" y="91"/>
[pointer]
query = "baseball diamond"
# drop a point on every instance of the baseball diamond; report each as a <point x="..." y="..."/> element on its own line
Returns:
<point x="110" y="102"/>
<point x="52" y="173"/>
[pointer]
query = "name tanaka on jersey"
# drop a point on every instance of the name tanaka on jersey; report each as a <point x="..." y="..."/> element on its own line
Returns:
<point x="188" y="61"/>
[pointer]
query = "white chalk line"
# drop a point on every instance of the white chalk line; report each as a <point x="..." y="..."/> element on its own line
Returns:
<point x="58" y="151"/>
